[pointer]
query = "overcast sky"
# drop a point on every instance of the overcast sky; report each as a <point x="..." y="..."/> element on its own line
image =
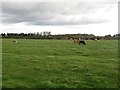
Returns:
<point x="98" y="18"/>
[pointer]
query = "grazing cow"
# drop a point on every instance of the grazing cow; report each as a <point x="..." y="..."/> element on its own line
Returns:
<point x="15" y="41"/>
<point x="76" y="41"/>
<point x="83" y="42"/>
<point x="79" y="41"/>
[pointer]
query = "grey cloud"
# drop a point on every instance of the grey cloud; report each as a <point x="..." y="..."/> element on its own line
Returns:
<point x="50" y="13"/>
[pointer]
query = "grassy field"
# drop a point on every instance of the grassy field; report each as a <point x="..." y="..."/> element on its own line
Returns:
<point x="59" y="64"/>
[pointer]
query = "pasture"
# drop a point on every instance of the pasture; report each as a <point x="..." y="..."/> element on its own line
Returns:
<point x="59" y="64"/>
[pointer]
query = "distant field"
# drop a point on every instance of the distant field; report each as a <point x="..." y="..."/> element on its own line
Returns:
<point x="59" y="64"/>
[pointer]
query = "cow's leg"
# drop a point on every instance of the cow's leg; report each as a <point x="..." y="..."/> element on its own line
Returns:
<point x="79" y="42"/>
<point x="74" y="41"/>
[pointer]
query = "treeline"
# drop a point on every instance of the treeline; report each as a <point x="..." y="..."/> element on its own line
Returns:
<point x="47" y="35"/>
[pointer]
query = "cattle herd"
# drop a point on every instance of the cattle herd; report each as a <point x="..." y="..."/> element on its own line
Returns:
<point x="80" y="41"/>
<point x="76" y="41"/>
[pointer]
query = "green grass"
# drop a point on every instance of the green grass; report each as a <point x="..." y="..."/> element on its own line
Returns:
<point x="59" y="64"/>
<point x="0" y="63"/>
